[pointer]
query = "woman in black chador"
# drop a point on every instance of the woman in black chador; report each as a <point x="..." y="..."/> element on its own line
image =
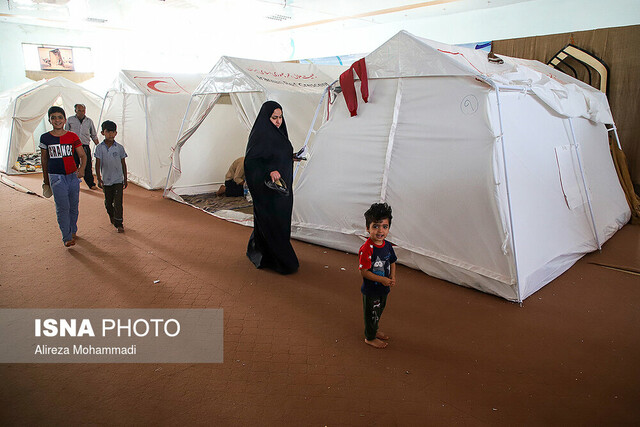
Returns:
<point x="269" y="158"/>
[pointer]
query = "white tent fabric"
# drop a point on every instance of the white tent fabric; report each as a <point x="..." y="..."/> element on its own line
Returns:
<point x="222" y="110"/>
<point x="499" y="175"/>
<point x="23" y="109"/>
<point x="147" y="108"/>
<point x="565" y="95"/>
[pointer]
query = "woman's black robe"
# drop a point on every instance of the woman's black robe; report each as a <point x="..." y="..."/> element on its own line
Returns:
<point x="269" y="150"/>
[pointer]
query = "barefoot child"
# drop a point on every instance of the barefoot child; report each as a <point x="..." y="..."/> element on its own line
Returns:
<point x="378" y="270"/>
<point x="111" y="170"/>
<point x="59" y="172"/>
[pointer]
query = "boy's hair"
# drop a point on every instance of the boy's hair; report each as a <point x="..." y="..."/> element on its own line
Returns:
<point x="377" y="212"/>
<point x="56" y="109"/>
<point x="108" y="125"/>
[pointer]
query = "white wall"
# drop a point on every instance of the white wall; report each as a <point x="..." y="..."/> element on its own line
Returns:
<point x="112" y="50"/>
<point x="12" y="71"/>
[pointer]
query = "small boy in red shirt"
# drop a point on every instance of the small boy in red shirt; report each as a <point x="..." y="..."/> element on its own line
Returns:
<point x="378" y="270"/>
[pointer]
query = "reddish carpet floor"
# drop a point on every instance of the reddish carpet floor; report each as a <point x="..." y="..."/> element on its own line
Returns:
<point x="293" y="349"/>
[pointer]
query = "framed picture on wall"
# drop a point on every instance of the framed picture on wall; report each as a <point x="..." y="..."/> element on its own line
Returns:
<point x="56" y="58"/>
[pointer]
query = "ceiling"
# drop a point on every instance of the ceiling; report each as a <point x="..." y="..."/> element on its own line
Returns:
<point x="250" y="15"/>
<point x="184" y="34"/>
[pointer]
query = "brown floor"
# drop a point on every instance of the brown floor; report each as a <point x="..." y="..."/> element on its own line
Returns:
<point x="293" y="350"/>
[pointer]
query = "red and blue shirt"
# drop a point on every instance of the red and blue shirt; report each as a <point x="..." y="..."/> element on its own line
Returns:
<point x="60" y="149"/>
<point x="378" y="260"/>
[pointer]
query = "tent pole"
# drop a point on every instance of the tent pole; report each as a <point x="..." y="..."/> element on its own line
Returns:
<point x="182" y="138"/>
<point x="104" y="100"/>
<point x="13" y="119"/>
<point x="146" y="137"/>
<point x="175" y="147"/>
<point x="506" y="181"/>
<point x="615" y="133"/>
<point x="584" y="183"/>
<point x="313" y="122"/>
<point x="315" y="116"/>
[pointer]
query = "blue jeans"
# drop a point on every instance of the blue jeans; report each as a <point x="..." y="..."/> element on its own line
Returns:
<point x="66" y="194"/>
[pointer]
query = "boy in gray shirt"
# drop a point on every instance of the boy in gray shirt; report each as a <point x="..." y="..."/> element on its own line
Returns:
<point x="111" y="170"/>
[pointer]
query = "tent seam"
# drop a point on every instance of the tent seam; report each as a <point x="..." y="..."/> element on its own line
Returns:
<point x="391" y="140"/>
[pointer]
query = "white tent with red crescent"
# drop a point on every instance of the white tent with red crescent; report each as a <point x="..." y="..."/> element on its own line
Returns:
<point x="23" y="115"/>
<point x="147" y="108"/>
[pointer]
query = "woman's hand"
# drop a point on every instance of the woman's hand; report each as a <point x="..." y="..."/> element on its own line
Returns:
<point x="275" y="175"/>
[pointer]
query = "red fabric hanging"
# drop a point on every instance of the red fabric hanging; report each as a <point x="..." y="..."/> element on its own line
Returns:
<point x="348" y="85"/>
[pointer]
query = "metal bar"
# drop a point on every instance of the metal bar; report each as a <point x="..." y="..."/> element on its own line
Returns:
<point x="313" y="122"/>
<point x="506" y="181"/>
<point x="176" y="150"/>
<point x="584" y="183"/>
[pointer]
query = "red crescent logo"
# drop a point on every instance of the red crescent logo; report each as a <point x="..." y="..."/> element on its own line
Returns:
<point x="152" y="85"/>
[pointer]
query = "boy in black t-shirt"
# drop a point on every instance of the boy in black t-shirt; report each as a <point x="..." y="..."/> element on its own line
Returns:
<point x="378" y="270"/>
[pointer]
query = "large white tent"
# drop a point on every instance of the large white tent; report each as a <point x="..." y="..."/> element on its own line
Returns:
<point x="147" y="108"/>
<point x="23" y="109"/>
<point x="222" y="111"/>
<point x="499" y="174"/>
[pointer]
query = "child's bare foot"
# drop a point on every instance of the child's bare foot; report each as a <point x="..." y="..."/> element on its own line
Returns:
<point x="376" y="343"/>
<point x="70" y="243"/>
<point x="381" y="335"/>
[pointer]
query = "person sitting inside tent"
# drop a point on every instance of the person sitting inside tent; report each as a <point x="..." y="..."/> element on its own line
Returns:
<point x="234" y="180"/>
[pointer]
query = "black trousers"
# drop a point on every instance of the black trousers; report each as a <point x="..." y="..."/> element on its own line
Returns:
<point x="232" y="189"/>
<point x="88" y="169"/>
<point x="113" y="203"/>
<point x="373" y="307"/>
